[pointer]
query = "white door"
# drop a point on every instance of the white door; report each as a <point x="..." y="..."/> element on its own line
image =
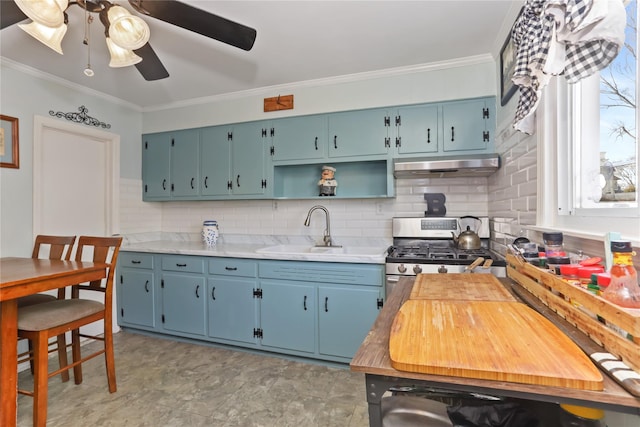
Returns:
<point x="75" y="182"/>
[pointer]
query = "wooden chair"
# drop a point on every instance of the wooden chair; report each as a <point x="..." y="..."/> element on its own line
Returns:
<point x="39" y="322"/>
<point x="60" y="247"/>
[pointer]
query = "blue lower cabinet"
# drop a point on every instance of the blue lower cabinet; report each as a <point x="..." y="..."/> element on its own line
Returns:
<point x="232" y="309"/>
<point x="136" y="292"/>
<point x="288" y="316"/>
<point x="183" y="303"/>
<point x="346" y="314"/>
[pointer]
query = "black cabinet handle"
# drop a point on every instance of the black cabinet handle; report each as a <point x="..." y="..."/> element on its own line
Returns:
<point x="206" y="178"/>
<point x="335" y="141"/>
<point x="197" y="289"/>
<point x="213" y="293"/>
<point x="231" y="268"/>
<point x="304" y="303"/>
<point x="326" y="304"/>
<point x="164" y="184"/>
<point x="146" y="286"/>
<point x="452" y="133"/>
<point x="238" y="180"/>
<point x="316" y="143"/>
<point x="134" y="261"/>
<point x="192" y="181"/>
<point x="181" y="265"/>
<point x="428" y="135"/>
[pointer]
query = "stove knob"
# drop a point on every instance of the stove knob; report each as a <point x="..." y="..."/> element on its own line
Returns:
<point x="402" y="268"/>
<point x="417" y="269"/>
<point x="442" y="269"/>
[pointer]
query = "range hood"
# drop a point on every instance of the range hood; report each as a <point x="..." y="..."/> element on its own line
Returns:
<point x="433" y="167"/>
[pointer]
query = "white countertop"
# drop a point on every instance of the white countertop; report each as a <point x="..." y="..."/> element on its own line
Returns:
<point x="246" y="246"/>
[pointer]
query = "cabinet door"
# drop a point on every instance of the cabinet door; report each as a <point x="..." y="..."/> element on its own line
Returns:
<point x="185" y="154"/>
<point x="136" y="296"/>
<point x="248" y="158"/>
<point x="215" y="161"/>
<point x="300" y="138"/>
<point x="346" y="314"/>
<point x="287" y="315"/>
<point x="417" y="129"/>
<point x="359" y="133"/>
<point x="464" y="125"/>
<point x="232" y="308"/>
<point x="156" y="166"/>
<point x="183" y="303"/>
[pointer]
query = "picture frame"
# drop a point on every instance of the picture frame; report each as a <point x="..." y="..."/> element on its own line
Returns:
<point x="507" y="68"/>
<point x="9" y="142"/>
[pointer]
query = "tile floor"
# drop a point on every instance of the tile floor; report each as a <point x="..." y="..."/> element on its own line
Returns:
<point x="169" y="383"/>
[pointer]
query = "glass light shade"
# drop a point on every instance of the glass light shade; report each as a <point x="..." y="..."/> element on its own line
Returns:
<point x="127" y="31"/>
<point x="121" y="57"/>
<point x="45" y="12"/>
<point x="51" y="37"/>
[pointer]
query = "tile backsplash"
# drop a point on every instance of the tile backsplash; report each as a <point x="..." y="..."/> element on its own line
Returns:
<point x="349" y="217"/>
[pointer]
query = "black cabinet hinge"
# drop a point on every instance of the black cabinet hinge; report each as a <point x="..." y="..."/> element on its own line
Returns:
<point x="121" y="279"/>
<point x="146" y="145"/>
<point x="399" y="141"/>
<point x="272" y="132"/>
<point x="387" y="121"/>
<point x="485" y="136"/>
<point x="257" y="293"/>
<point x="145" y="188"/>
<point x="173" y="142"/>
<point x="264" y="132"/>
<point x="163" y="318"/>
<point x="172" y="186"/>
<point x="229" y="136"/>
<point x="485" y="113"/>
<point x="387" y="142"/>
<point x="272" y="151"/>
<point x="162" y="283"/>
<point x="229" y="185"/>
<point x="398" y="121"/>
<point x="122" y="312"/>
<point x="379" y="303"/>
<point x="264" y="183"/>
<point x="257" y="333"/>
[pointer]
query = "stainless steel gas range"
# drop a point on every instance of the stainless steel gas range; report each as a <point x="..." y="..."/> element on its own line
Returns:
<point x="426" y="245"/>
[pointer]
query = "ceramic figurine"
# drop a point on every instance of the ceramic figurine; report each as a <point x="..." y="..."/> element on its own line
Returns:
<point x="327" y="184"/>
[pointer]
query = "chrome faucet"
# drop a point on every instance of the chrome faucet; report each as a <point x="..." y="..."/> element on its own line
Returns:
<point x="327" y="232"/>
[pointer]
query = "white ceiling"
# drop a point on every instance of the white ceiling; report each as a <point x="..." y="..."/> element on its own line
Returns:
<point x="297" y="41"/>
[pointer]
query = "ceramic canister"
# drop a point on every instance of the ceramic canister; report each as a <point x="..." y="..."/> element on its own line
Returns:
<point x="210" y="232"/>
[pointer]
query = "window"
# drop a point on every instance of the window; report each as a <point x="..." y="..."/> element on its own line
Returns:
<point x="590" y="134"/>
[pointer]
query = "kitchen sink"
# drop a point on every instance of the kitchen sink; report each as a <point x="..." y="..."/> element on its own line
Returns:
<point x="324" y="250"/>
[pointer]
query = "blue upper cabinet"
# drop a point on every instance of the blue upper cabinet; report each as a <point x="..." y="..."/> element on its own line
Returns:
<point x="468" y="126"/>
<point x="299" y="138"/>
<point x="417" y="129"/>
<point x="248" y="157"/>
<point x="156" y="166"/>
<point x="215" y="161"/>
<point x="185" y="154"/>
<point x="359" y="133"/>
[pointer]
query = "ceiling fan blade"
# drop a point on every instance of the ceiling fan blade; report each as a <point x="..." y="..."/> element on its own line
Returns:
<point x="198" y="21"/>
<point x="150" y="67"/>
<point x="10" y="13"/>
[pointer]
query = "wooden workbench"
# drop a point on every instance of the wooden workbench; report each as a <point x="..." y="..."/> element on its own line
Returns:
<point x="372" y="358"/>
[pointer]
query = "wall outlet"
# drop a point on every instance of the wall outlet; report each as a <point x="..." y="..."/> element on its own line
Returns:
<point x="378" y="208"/>
<point x="274" y="205"/>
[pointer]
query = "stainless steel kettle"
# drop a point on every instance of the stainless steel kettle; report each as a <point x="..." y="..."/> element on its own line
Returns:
<point x="467" y="239"/>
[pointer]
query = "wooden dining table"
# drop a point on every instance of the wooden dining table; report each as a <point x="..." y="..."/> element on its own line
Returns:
<point x="26" y="276"/>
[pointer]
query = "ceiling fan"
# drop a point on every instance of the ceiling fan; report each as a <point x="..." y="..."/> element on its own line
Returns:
<point x="127" y="35"/>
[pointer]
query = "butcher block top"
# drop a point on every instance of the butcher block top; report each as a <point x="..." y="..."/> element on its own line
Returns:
<point x="459" y="286"/>
<point x="495" y="340"/>
<point x="373" y="359"/>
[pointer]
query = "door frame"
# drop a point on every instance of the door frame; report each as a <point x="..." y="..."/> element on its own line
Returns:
<point x="112" y="144"/>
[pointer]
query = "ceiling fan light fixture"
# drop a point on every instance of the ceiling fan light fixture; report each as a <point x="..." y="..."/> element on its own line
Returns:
<point x="45" y="12"/>
<point x="50" y="37"/>
<point x="121" y="57"/>
<point x="127" y="31"/>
